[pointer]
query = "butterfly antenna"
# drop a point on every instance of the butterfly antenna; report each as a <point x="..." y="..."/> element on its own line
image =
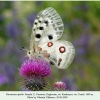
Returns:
<point x="23" y="49"/>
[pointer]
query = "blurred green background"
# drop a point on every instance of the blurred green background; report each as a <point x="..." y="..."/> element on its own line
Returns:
<point x="82" y="28"/>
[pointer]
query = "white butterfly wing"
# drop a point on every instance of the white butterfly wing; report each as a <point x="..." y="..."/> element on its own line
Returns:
<point x="61" y="52"/>
<point x="52" y="22"/>
<point x="48" y="26"/>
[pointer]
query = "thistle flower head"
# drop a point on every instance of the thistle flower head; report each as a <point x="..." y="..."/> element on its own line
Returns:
<point x="34" y="71"/>
<point x="59" y="86"/>
<point x="33" y="67"/>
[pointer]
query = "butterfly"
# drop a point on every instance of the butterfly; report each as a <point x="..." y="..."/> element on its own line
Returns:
<point x="47" y="28"/>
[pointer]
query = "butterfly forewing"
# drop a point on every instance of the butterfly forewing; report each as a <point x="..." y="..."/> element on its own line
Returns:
<point x="48" y="26"/>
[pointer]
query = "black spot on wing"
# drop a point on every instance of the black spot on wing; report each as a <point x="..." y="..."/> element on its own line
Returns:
<point x="35" y="23"/>
<point x="46" y="22"/>
<point x="39" y="21"/>
<point x="59" y="61"/>
<point x="41" y="28"/>
<point x="38" y="36"/>
<point x="50" y="37"/>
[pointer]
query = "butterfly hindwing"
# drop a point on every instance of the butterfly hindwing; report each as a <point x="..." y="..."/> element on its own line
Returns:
<point x="61" y="52"/>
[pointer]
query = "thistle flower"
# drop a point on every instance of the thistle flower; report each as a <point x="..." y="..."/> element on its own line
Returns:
<point x="34" y="71"/>
<point x="59" y="86"/>
<point x="33" y="67"/>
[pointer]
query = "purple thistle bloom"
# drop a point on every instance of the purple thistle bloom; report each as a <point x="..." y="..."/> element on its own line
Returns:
<point x="32" y="67"/>
<point x="34" y="71"/>
<point x="59" y="86"/>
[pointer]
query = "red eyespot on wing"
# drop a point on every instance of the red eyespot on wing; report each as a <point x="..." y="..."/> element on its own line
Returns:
<point x="62" y="49"/>
<point x="50" y="44"/>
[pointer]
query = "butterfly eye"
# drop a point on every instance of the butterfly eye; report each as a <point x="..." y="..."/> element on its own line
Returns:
<point x="29" y="52"/>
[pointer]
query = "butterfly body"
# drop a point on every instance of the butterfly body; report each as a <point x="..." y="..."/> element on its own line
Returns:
<point x="47" y="29"/>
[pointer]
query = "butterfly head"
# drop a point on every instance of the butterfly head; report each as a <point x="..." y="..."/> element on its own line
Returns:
<point x="29" y="52"/>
